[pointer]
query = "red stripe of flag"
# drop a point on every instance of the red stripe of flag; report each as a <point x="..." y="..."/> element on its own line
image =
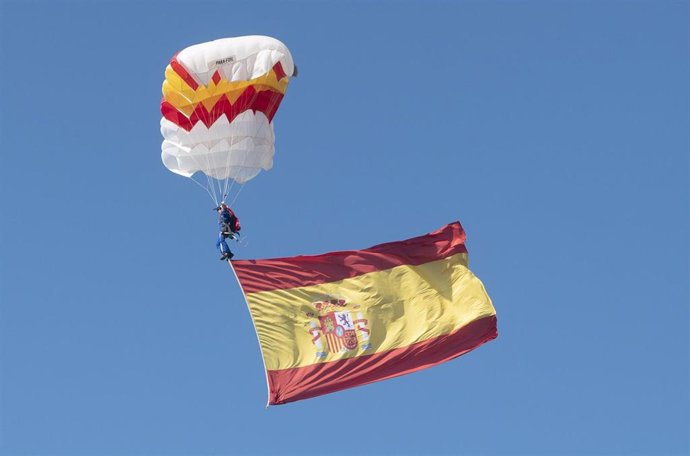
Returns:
<point x="288" y="385"/>
<point x="301" y="271"/>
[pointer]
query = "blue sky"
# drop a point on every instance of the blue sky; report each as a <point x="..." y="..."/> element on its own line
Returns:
<point x="556" y="132"/>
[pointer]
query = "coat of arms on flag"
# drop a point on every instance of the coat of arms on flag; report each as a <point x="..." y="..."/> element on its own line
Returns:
<point x="337" y="327"/>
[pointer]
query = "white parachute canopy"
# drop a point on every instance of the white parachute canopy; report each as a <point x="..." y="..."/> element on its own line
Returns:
<point x="219" y="100"/>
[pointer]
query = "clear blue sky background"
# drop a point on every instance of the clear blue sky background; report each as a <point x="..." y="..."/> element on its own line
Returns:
<point x="556" y="132"/>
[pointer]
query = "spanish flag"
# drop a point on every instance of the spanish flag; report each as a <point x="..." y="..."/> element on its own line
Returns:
<point x="343" y="319"/>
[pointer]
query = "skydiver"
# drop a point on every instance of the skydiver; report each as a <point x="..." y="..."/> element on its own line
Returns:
<point x="229" y="226"/>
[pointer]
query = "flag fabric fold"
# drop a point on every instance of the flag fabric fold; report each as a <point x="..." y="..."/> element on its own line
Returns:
<point x="343" y="319"/>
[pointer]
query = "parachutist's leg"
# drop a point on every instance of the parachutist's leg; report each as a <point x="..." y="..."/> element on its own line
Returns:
<point x="221" y="245"/>
<point x="226" y="254"/>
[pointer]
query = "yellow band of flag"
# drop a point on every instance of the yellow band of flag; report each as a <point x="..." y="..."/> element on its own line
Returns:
<point x="403" y="305"/>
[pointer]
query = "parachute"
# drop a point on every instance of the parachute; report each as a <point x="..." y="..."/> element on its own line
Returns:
<point x="219" y="100"/>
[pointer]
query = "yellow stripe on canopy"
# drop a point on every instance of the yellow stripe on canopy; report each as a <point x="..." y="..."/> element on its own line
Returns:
<point x="185" y="99"/>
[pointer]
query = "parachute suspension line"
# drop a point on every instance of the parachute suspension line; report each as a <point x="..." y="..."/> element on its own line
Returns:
<point x="230" y="185"/>
<point x="209" y="185"/>
<point x="236" y="195"/>
<point x="210" y="181"/>
<point x="216" y="189"/>
<point x="226" y="189"/>
<point x="205" y="188"/>
<point x="210" y="188"/>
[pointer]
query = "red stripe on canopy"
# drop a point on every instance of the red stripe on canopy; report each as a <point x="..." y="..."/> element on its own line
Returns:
<point x="265" y="101"/>
<point x="183" y="73"/>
